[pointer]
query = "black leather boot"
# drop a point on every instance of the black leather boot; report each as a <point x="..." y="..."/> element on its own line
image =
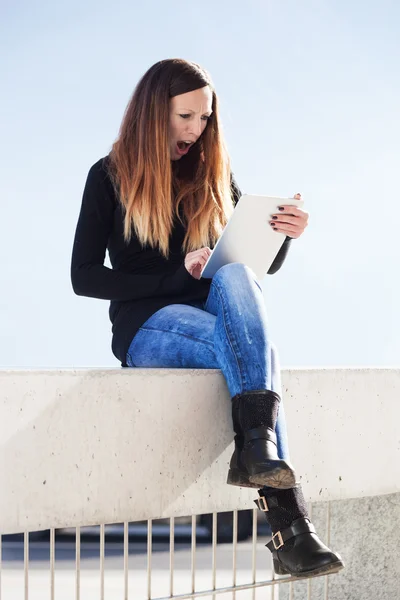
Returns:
<point x="255" y="461"/>
<point x="237" y="474"/>
<point x="296" y="548"/>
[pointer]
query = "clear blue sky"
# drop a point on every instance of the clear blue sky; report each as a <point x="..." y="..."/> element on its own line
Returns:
<point x="310" y="96"/>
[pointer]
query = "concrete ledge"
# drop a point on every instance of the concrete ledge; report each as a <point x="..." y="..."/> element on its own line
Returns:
<point x="82" y="447"/>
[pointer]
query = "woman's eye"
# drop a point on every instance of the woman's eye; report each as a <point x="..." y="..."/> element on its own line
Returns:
<point x="205" y="117"/>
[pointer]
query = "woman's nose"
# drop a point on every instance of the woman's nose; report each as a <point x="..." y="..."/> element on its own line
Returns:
<point x="195" y="127"/>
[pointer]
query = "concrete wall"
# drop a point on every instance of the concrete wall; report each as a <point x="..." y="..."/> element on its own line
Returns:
<point x="81" y="447"/>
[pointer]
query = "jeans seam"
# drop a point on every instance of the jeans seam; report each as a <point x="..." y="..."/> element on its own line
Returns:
<point x="130" y="359"/>
<point x="190" y="337"/>
<point x="227" y="327"/>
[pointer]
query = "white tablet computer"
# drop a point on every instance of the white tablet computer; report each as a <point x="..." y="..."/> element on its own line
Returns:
<point x="248" y="237"/>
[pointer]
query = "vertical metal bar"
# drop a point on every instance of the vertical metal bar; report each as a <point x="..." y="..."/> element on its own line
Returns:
<point x="52" y="559"/>
<point x="126" y="558"/>
<point x="171" y="554"/>
<point x="291" y="590"/>
<point x="78" y="563"/>
<point x="149" y="548"/>
<point x="254" y="552"/>
<point x="273" y="577"/>
<point x="102" y="536"/>
<point x="193" y="553"/>
<point x="328" y="541"/>
<point x="26" y="563"/>
<point x="234" y="562"/>
<point x="214" y="552"/>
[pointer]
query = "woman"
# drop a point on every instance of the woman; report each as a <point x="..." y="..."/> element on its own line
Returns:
<point x="158" y="202"/>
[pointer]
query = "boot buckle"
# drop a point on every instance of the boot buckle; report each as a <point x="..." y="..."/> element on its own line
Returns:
<point x="280" y="539"/>
<point x="262" y="504"/>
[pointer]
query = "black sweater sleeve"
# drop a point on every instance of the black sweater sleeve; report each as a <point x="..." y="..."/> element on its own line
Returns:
<point x="284" y="249"/>
<point x="89" y="276"/>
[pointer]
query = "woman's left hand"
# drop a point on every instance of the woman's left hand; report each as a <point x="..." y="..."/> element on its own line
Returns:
<point x="290" y="220"/>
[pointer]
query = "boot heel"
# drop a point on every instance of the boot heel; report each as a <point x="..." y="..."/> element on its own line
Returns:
<point x="235" y="477"/>
<point x="277" y="474"/>
<point x="279" y="570"/>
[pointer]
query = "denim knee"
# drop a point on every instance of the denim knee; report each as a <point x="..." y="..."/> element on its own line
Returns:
<point x="237" y="270"/>
<point x="233" y="269"/>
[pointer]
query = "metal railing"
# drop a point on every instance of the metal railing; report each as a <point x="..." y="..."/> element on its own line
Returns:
<point x="129" y="588"/>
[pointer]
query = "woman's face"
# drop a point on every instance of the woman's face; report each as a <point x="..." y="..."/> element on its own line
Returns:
<point x="189" y="114"/>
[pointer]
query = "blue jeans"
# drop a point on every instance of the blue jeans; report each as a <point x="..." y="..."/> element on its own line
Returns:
<point x="228" y="331"/>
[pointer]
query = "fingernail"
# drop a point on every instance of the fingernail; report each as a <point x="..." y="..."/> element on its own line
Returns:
<point x="281" y="208"/>
<point x="274" y="217"/>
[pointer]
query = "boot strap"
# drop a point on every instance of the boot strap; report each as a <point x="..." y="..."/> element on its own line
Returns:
<point x="297" y="528"/>
<point x="262" y="503"/>
<point x="260" y="433"/>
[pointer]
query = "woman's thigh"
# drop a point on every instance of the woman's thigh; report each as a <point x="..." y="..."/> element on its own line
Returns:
<point x="178" y="335"/>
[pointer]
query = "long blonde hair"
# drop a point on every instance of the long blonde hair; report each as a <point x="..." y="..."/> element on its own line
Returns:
<point x="151" y="187"/>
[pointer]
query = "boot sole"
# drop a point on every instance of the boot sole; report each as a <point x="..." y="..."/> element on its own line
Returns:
<point x="279" y="478"/>
<point x="325" y="570"/>
<point x="237" y="478"/>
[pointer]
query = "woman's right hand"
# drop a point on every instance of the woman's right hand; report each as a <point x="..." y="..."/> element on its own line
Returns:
<point x="195" y="261"/>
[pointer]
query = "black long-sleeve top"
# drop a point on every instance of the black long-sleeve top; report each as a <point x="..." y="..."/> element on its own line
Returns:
<point x="141" y="280"/>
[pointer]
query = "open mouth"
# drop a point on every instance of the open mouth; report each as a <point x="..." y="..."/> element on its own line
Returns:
<point x="182" y="145"/>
